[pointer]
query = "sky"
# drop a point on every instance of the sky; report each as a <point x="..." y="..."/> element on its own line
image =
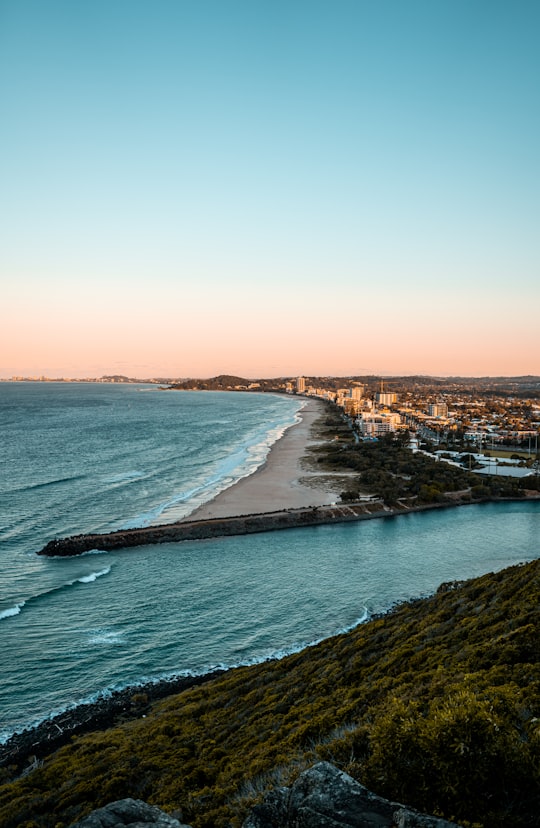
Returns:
<point x="269" y="187"/>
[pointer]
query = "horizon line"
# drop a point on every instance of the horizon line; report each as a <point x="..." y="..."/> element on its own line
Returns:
<point x="169" y="378"/>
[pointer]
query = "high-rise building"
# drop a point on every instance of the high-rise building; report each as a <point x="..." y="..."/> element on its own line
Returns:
<point x="300" y="385"/>
<point x="386" y="398"/>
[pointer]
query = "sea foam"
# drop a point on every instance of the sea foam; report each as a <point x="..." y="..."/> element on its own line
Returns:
<point x="11" y="611"/>
<point x="88" y="579"/>
<point x="236" y="466"/>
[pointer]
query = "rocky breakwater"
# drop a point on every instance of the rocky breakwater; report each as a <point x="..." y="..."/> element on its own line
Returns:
<point x="213" y="528"/>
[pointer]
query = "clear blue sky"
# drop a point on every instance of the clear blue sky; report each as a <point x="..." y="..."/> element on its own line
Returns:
<point x="269" y="188"/>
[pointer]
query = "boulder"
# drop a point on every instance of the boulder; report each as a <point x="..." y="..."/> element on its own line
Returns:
<point x="132" y="813"/>
<point x="325" y="797"/>
<point x="321" y="797"/>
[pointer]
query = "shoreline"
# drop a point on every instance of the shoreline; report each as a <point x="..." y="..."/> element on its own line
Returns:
<point x="31" y="744"/>
<point x="26" y="749"/>
<point x="280" y="482"/>
<point x="280" y="493"/>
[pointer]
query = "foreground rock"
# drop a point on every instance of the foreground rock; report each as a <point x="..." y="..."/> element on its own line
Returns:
<point x="129" y="812"/>
<point x="321" y="797"/>
<point x="324" y="797"/>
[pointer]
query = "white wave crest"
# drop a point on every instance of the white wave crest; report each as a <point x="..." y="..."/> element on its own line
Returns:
<point x="92" y="552"/>
<point x="93" y="576"/>
<point x="11" y="611"/>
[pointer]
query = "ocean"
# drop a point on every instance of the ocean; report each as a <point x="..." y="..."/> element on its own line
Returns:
<point x="78" y="457"/>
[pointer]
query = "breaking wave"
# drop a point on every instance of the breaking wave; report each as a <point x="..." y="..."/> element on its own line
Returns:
<point x="11" y="611"/>
<point x="83" y="579"/>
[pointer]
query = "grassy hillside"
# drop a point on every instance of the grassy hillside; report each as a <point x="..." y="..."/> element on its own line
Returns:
<point x="436" y="704"/>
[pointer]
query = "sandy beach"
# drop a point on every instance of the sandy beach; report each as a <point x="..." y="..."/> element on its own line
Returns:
<point x="281" y="482"/>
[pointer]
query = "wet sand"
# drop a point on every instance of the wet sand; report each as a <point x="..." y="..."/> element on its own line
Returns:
<point x="280" y="483"/>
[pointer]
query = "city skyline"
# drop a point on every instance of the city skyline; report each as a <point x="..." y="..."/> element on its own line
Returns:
<point x="270" y="190"/>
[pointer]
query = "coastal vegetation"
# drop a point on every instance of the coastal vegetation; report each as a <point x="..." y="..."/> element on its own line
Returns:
<point x="435" y="704"/>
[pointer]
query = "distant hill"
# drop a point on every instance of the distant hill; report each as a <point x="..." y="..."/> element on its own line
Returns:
<point x="222" y="381"/>
<point x="227" y="382"/>
<point x="509" y="385"/>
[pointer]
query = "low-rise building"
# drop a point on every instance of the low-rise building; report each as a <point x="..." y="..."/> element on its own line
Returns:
<point x="374" y="424"/>
<point x="439" y="409"/>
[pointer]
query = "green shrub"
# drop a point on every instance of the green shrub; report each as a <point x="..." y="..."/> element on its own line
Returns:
<point x="466" y="754"/>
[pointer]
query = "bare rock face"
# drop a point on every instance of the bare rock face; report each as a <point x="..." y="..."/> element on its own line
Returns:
<point x="321" y="797"/>
<point x="129" y="813"/>
<point x="324" y="797"/>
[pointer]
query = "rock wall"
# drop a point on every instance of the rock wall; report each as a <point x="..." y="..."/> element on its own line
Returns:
<point x="213" y="528"/>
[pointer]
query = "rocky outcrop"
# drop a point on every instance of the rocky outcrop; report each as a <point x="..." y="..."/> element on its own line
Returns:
<point x="129" y="813"/>
<point x="325" y="797"/>
<point x="321" y="797"/>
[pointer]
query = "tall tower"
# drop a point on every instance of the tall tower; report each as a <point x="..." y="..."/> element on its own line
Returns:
<point x="300" y="385"/>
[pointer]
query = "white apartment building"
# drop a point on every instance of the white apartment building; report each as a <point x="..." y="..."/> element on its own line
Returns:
<point x="386" y="398"/>
<point x="372" y="425"/>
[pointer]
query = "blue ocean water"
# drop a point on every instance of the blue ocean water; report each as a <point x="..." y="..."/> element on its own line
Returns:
<point x="77" y="458"/>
